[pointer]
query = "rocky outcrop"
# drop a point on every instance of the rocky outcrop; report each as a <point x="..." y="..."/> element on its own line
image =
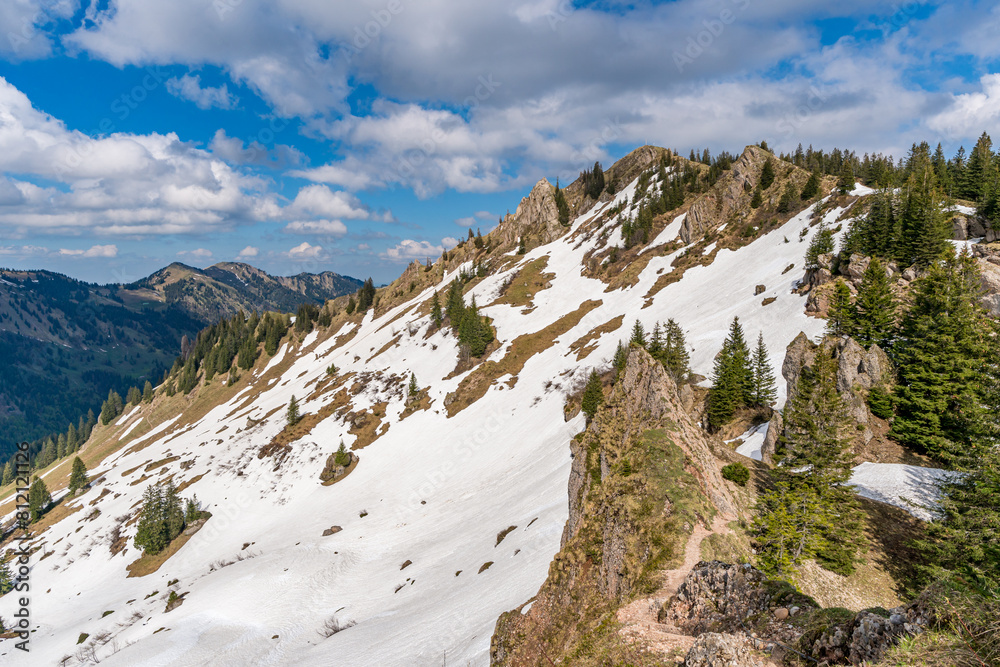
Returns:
<point x="718" y="597"/>
<point x="730" y="195"/>
<point x="866" y="639"/>
<point x="990" y="282"/>
<point x="723" y="650"/>
<point x="641" y="448"/>
<point x="858" y="371"/>
<point x="774" y="429"/>
<point x="536" y="218"/>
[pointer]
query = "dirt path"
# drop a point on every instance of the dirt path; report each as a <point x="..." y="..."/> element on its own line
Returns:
<point x="639" y="618"/>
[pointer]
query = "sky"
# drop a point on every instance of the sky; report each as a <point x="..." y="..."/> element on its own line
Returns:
<point x="316" y="135"/>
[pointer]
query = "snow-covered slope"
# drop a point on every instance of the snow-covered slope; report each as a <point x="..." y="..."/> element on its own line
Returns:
<point x="432" y="490"/>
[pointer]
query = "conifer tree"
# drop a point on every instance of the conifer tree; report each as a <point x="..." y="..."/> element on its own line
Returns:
<point x="767" y="174"/>
<point x="815" y="466"/>
<point x="8" y="473"/>
<point x="593" y="396"/>
<point x="675" y="356"/>
<point x="873" y="314"/>
<point x="147" y="392"/>
<point x="655" y="347"/>
<point x="757" y="198"/>
<point x="6" y="581"/>
<point x="292" y="416"/>
<point x="413" y="389"/>
<point x="811" y="188"/>
<point x="923" y="228"/>
<point x="150" y="534"/>
<point x="840" y="320"/>
<point x="764" y="388"/>
<point x="351" y="305"/>
<point x="732" y="379"/>
<point x="787" y="198"/>
<point x="620" y="358"/>
<point x="342" y="457"/>
<point x="521" y="249"/>
<point x="845" y="182"/>
<point x="437" y="316"/>
<point x="821" y="244"/>
<point x="72" y="439"/>
<point x="561" y="206"/>
<point x="638" y="334"/>
<point x="78" y="476"/>
<point x="39" y="499"/>
<point x="944" y="355"/>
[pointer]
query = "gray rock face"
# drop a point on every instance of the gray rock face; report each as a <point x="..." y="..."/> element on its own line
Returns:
<point x="858" y="371"/>
<point x="536" y="216"/>
<point x="991" y="285"/>
<point x="722" y="650"/>
<point x="774" y="430"/>
<point x="735" y="185"/>
<point x="867" y="638"/>
<point x="856" y="266"/>
<point x="718" y="596"/>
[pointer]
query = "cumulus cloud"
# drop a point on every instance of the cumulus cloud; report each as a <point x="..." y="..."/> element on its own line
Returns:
<point x="305" y="251"/>
<point x="119" y="184"/>
<point x="189" y="88"/>
<point x="322" y="201"/>
<point x="197" y="253"/>
<point x="93" y="251"/>
<point x="248" y="252"/>
<point x="349" y="173"/>
<point x="408" y="250"/>
<point x="234" y="151"/>
<point x="971" y="113"/>
<point x="449" y="242"/>
<point x="321" y="227"/>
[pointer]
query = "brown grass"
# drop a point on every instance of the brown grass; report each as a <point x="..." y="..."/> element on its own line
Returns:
<point x="369" y="430"/>
<point x="586" y="344"/>
<point x="526" y="283"/>
<point x="148" y="564"/>
<point x="475" y="386"/>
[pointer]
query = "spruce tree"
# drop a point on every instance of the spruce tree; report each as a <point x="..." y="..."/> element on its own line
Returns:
<point x="78" y="476"/>
<point x="437" y="316"/>
<point x="845" y="182"/>
<point x="767" y="174"/>
<point x="821" y="244"/>
<point x="561" y="206"/>
<point x="292" y="415"/>
<point x="655" y="347"/>
<point x="787" y="198"/>
<point x="413" y="389"/>
<point x="342" y="457"/>
<point x="638" y="334"/>
<point x="874" y="312"/>
<point x="620" y="358"/>
<point x="39" y="499"/>
<point x="675" y="356"/>
<point x="944" y="354"/>
<point x="811" y="188"/>
<point x="757" y="198"/>
<point x="151" y="534"/>
<point x="8" y="473"/>
<point x="6" y="582"/>
<point x="840" y="315"/>
<point x="765" y="392"/>
<point x="593" y="396"/>
<point x="351" y="305"/>
<point x="732" y="379"/>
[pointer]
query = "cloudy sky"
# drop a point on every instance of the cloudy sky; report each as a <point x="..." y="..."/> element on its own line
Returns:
<point x="309" y="135"/>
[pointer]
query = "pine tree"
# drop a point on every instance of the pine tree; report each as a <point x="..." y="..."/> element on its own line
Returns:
<point x="413" y="389"/>
<point x="944" y="354"/>
<point x="787" y="198"/>
<point x="840" y="316"/>
<point x="638" y="334"/>
<point x="821" y="244"/>
<point x="924" y="231"/>
<point x="39" y="499"/>
<point x="764" y="388"/>
<point x="437" y="317"/>
<point x="351" y="305"/>
<point x="593" y="396"/>
<point x="767" y="174"/>
<point x="521" y="249"/>
<point x="71" y="440"/>
<point x="675" y="356"/>
<point x="6" y="581"/>
<point x="151" y="534"/>
<point x="845" y="182"/>
<point x="561" y="206"/>
<point x="620" y="358"/>
<point x="757" y="199"/>
<point x="292" y="416"/>
<point x="342" y="457"/>
<point x="655" y="347"/>
<point x="78" y="476"/>
<point x="173" y="512"/>
<point x="8" y="473"/>
<point x="732" y="379"/>
<point x="811" y="188"/>
<point x="874" y="311"/>
<point x="815" y="466"/>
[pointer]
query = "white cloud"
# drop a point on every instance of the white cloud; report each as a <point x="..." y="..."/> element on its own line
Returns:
<point x="23" y="251"/>
<point x="449" y="242"/>
<point x="466" y="222"/>
<point x="248" y="252"/>
<point x="233" y="150"/>
<point x="327" y="227"/>
<point x="408" y="250"/>
<point x="93" y="251"/>
<point x="322" y="201"/>
<point x="189" y="88"/>
<point x="305" y="251"/>
<point x="349" y="174"/>
<point x="197" y="253"/>
<point x="971" y="113"/>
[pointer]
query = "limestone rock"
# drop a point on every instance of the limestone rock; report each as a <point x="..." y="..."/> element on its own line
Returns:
<point x="536" y="217"/>
<point x="713" y="649"/>
<point x="717" y="596"/>
<point x="855" y="267"/>
<point x="332" y="530"/>
<point x="774" y="429"/>
<point x="732" y="190"/>
<point x="991" y="286"/>
<point x="960" y="228"/>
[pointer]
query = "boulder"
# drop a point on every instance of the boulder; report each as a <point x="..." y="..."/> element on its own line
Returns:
<point x="717" y="596"/>
<point x="960" y="228"/>
<point x="332" y="530"/>
<point x="713" y="649"/>
<point x="990" y="278"/>
<point x="856" y="266"/>
<point x="774" y="429"/>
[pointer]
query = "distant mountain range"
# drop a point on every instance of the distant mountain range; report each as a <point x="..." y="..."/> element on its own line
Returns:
<point x="66" y="342"/>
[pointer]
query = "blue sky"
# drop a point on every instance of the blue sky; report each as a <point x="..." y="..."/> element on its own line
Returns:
<point x="310" y="135"/>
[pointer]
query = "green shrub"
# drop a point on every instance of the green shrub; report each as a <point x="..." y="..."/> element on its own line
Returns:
<point x="736" y="473"/>
<point x="880" y="403"/>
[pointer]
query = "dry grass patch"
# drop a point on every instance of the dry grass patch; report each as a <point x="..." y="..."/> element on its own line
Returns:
<point x="367" y="425"/>
<point x="161" y="462"/>
<point x="387" y="346"/>
<point x="148" y="564"/>
<point x="475" y="386"/>
<point x="185" y="484"/>
<point x="586" y="344"/>
<point x="525" y="284"/>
